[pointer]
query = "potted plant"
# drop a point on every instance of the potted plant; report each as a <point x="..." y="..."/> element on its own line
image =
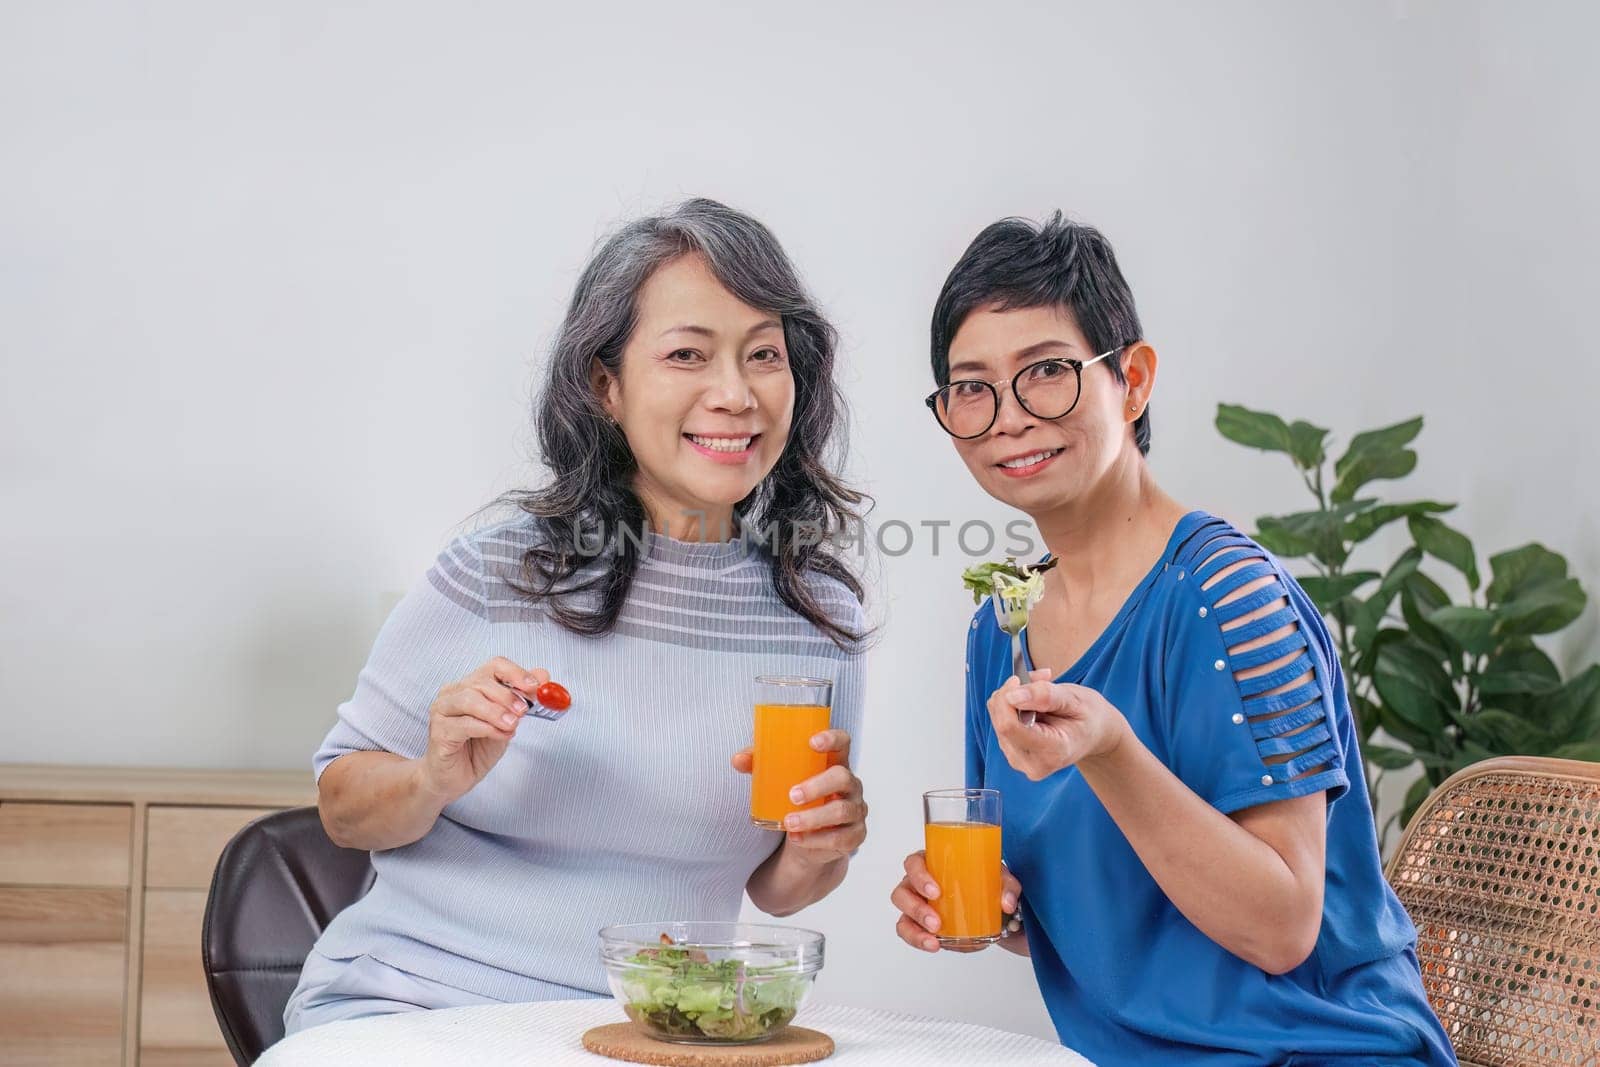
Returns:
<point x="1447" y="682"/>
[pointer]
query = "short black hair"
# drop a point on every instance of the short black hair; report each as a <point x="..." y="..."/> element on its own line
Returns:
<point x="1016" y="263"/>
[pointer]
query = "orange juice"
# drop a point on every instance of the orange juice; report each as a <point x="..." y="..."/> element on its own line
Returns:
<point x="784" y="758"/>
<point x="964" y="859"/>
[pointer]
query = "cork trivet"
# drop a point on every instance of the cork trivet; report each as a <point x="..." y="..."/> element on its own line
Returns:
<point x="625" y="1041"/>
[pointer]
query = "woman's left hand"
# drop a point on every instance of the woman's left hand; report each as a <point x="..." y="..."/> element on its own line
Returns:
<point x="836" y="828"/>
<point x="1072" y="724"/>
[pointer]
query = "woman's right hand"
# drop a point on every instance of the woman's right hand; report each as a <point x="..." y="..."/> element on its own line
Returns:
<point x="919" y="921"/>
<point x="470" y="724"/>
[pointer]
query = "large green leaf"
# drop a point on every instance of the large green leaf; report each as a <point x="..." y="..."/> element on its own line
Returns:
<point x="1390" y="759"/>
<point x="1253" y="429"/>
<point x="1519" y="678"/>
<point x="1542" y="609"/>
<point x="1409" y="710"/>
<point x="1311" y="533"/>
<point x="1307" y="444"/>
<point x="1573" y="711"/>
<point x="1376" y="607"/>
<point x="1416" y="692"/>
<point x="1524" y="657"/>
<point x="1373" y="455"/>
<point x="1426" y="593"/>
<point x="1326" y="592"/>
<point x="1371" y="467"/>
<point x="1367" y="618"/>
<point x="1438" y="760"/>
<point x="1405" y="656"/>
<point x="1584" y="750"/>
<point x="1276" y="538"/>
<point x="1366" y="715"/>
<point x="1400" y="572"/>
<point x="1471" y="628"/>
<point x="1398" y="726"/>
<point x="1500" y="683"/>
<point x="1388" y="439"/>
<point x="1420" y="598"/>
<point x="1447" y="544"/>
<point x="1528" y="566"/>
<point x="1507" y="734"/>
<point x="1367" y="662"/>
<point x="1367" y="523"/>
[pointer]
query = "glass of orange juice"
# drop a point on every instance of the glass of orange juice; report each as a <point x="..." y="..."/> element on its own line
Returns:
<point x="789" y="712"/>
<point x="962" y="834"/>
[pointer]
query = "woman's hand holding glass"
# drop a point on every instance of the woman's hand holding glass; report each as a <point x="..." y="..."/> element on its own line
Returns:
<point x="918" y="924"/>
<point x="834" y="829"/>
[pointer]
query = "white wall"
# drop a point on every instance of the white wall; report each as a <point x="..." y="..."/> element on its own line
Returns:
<point x="276" y="283"/>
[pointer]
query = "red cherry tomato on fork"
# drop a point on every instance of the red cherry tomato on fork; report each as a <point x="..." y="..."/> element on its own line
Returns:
<point x="553" y="696"/>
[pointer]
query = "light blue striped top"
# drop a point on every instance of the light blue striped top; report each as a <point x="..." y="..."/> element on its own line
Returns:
<point x="626" y="810"/>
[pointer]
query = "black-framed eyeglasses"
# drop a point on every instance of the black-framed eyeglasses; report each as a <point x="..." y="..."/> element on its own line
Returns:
<point x="1048" y="389"/>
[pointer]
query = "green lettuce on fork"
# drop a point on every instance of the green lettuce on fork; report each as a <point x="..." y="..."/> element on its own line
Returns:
<point x="680" y="991"/>
<point x="1015" y="587"/>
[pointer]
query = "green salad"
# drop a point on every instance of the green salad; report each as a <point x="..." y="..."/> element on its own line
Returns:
<point x="1016" y="587"/>
<point x="681" y="992"/>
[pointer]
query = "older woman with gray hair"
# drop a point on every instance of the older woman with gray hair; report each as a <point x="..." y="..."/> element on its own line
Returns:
<point x="690" y="404"/>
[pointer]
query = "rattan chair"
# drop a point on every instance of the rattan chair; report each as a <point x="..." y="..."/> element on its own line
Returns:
<point x="1500" y="870"/>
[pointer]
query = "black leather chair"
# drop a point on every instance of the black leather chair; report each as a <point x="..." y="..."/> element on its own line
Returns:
<point x="277" y="885"/>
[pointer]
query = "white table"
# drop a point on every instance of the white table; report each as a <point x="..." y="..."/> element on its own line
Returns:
<point x="550" y="1034"/>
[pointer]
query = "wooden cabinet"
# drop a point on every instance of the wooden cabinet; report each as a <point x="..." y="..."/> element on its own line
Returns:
<point x="183" y="843"/>
<point x="176" y="1023"/>
<point x="64" y="844"/>
<point x="103" y="881"/>
<point x="175" y="1016"/>
<point x="62" y="968"/>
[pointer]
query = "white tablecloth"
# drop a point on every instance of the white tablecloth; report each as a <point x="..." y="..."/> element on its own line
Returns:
<point x="550" y="1035"/>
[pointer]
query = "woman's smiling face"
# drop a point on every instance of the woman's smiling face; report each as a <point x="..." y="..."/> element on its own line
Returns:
<point x="705" y="395"/>
<point x="1031" y="463"/>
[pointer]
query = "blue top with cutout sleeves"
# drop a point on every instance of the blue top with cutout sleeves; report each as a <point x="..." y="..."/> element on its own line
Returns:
<point x="1226" y="673"/>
